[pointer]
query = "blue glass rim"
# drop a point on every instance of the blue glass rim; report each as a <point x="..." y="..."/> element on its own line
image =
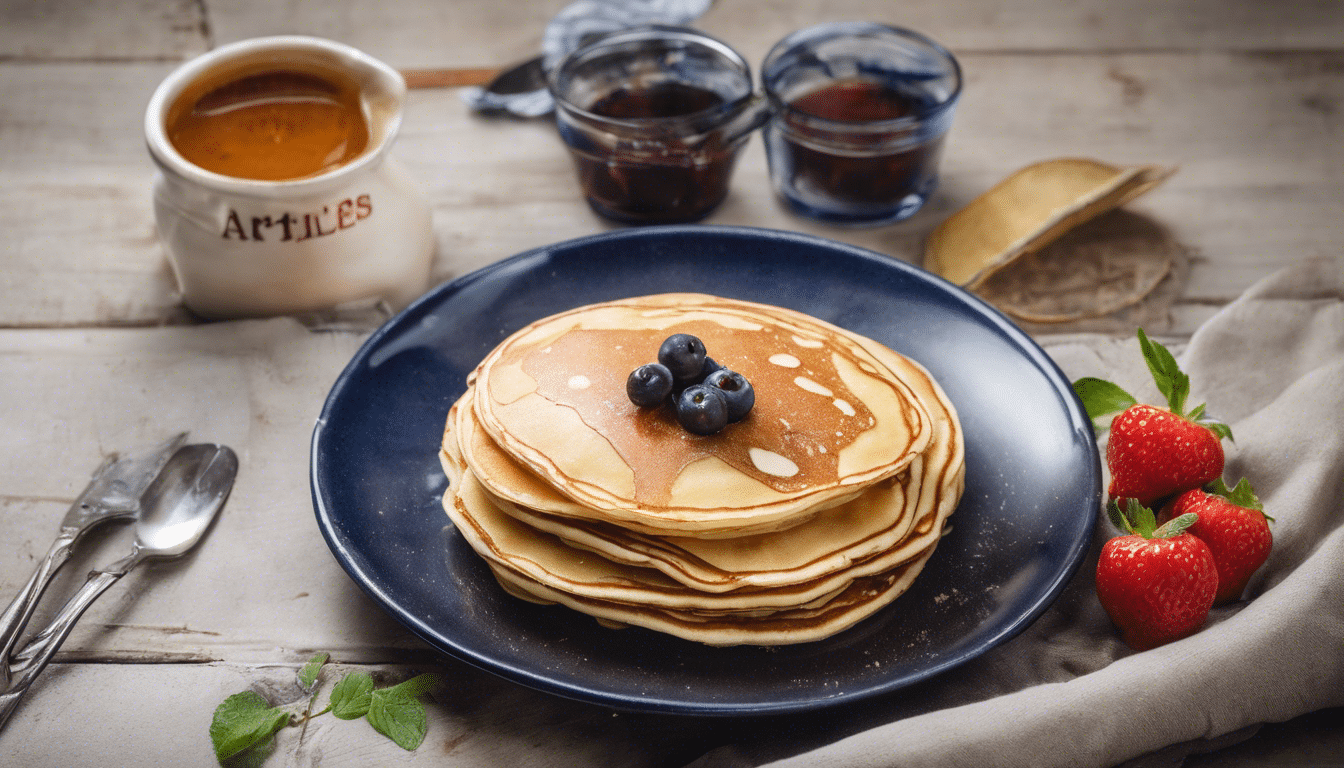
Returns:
<point x="654" y="32"/>
<point x="770" y="72"/>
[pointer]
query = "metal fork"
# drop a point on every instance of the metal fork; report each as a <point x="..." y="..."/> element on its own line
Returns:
<point x="114" y="492"/>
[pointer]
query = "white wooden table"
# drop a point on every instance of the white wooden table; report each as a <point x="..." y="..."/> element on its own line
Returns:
<point x="97" y="354"/>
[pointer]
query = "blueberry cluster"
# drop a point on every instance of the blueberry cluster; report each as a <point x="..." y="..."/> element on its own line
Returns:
<point x="706" y="396"/>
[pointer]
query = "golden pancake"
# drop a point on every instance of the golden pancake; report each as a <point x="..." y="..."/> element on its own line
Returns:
<point x="546" y="559"/>
<point x="829" y="418"/>
<point x="860" y="600"/>
<point x="832" y="540"/>
<point x="505" y="540"/>
<point x="573" y="495"/>
<point x="826" y="543"/>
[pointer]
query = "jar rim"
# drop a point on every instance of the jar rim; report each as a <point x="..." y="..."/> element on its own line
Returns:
<point x="858" y="29"/>
<point x="655" y="33"/>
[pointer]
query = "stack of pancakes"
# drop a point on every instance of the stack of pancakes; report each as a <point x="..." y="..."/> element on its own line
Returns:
<point x="809" y="515"/>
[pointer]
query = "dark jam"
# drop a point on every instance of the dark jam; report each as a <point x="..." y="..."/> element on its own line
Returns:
<point x="659" y="178"/>
<point x="864" y="170"/>
<point x="669" y="99"/>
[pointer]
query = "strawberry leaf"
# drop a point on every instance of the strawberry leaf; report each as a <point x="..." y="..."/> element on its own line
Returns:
<point x="1101" y="398"/>
<point x="1141" y="518"/>
<point x="1242" y="495"/>
<point x="1218" y="428"/>
<point x="1170" y="379"/>
<point x="1176" y="526"/>
<point x="1117" y="517"/>
<point x="1135" y="518"/>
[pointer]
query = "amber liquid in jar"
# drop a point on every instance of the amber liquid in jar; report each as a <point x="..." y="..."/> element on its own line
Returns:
<point x="856" y="174"/>
<point x="675" y="182"/>
<point x="273" y="125"/>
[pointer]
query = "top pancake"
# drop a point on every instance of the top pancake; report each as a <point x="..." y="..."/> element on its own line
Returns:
<point x="829" y="420"/>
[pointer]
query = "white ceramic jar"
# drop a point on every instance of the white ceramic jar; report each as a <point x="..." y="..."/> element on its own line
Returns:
<point x="352" y="236"/>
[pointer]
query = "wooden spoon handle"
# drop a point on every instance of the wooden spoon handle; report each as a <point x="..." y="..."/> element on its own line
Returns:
<point x="447" y="78"/>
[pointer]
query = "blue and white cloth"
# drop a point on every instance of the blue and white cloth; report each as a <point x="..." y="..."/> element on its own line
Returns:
<point x="564" y="33"/>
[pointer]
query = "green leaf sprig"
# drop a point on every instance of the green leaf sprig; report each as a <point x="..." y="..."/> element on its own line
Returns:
<point x="1142" y="521"/>
<point x="242" y="722"/>
<point x="1102" y="398"/>
<point x="246" y="722"/>
<point x="1242" y="494"/>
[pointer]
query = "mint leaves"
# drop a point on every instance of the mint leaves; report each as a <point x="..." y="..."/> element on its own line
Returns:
<point x="243" y="721"/>
<point x="398" y="716"/>
<point x="352" y="696"/>
<point x="246" y="721"/>
<point x="308" y="675"/>
<point x="395" y="712"/>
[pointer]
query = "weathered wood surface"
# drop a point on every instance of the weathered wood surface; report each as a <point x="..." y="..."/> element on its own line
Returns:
<point x="1244" y="102"/>
<point x="1243" y="96"/>
<point x="473" y="722"/>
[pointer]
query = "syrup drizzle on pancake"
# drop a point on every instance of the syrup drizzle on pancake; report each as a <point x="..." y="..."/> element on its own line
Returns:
<point x="800" y="452"/>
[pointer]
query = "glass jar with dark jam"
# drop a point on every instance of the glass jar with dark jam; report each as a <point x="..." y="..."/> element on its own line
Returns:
<point x="654" y="118"/>
<point x="860" y="111"/>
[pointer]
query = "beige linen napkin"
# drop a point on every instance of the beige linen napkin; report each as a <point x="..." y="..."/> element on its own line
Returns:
<point x="1066" y="692"/>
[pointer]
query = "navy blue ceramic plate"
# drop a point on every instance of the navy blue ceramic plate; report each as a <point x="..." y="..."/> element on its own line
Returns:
<point x="1033" y="478"/>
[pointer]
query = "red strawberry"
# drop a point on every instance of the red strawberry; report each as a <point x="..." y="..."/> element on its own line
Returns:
<point x="1233" y="524"/>
<point x="1156" y="585"/>
<point x="1154" y="452"/>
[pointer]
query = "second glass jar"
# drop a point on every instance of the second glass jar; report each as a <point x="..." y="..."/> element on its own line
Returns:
<point x="859" y="114"/>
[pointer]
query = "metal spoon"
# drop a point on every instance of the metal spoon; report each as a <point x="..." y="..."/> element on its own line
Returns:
<point x="177" y="509"/>
<point x="524" y="77"/>
<point x="114" y="492"/>
<point x="519" y="90"/>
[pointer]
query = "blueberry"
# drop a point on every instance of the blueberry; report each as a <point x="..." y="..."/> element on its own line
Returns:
<point x="702" y="409"/>
<point x="683" y="354"/>
<point x="649" y="385"/>
<point x="709" y="367"/>
<point x="738" y="394"/>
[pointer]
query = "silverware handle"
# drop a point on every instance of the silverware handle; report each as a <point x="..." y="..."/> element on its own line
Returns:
<point x="16" y="616"/>
<point x="38" y="652"/>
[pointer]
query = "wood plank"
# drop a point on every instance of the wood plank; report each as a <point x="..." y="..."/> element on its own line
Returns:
<point x="974" y="26"/>
<point x="71" y="396"/>
<point x="80" y="246"/>
<point x="475" y="720"/>
<point x="428" y="34"/>
<point x="407" y="35"/>
<point x="75" y="30"/>
<point x="1254" y="135"/>
<point x="447" y="34"/>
